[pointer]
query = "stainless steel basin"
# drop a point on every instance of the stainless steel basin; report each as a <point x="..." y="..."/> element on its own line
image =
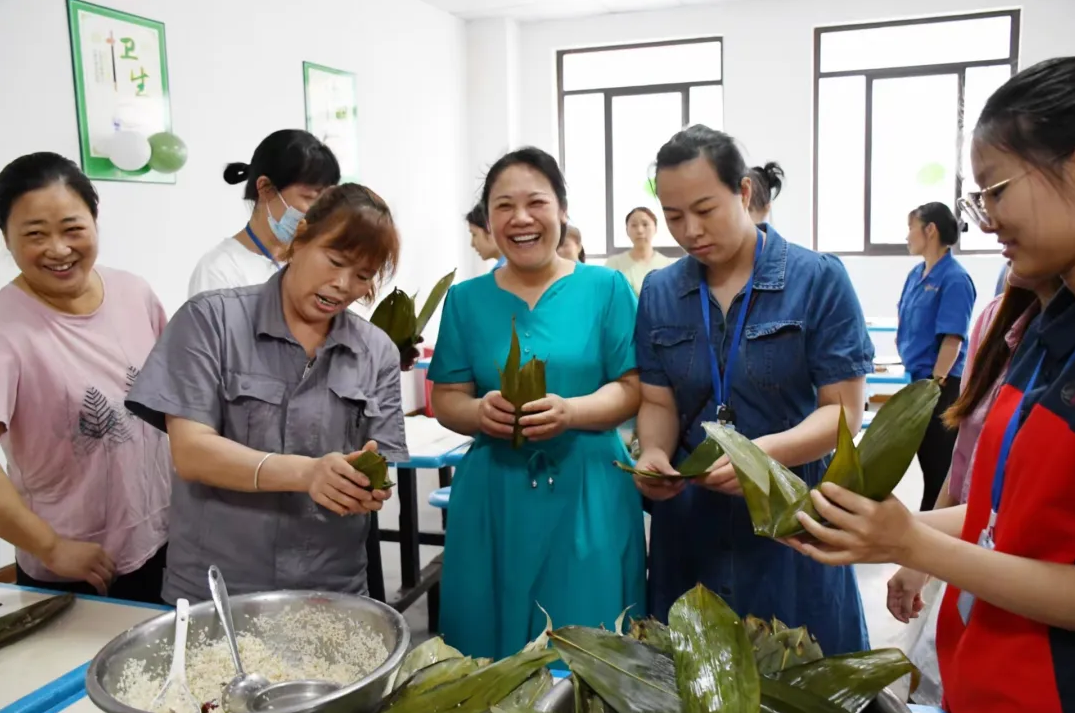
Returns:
<point x="151" y="642"/>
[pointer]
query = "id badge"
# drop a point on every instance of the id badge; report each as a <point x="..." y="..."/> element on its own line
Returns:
<point x="965" y="603"/>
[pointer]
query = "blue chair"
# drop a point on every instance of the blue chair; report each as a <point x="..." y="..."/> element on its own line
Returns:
<point x="867" y="419"/>
<point x="439" y="497"/>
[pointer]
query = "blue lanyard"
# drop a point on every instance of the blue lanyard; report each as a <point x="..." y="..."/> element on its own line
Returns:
<point x="261" y="246"/>
<point x="1009" y="437"/>
<point x="722" y="386"/>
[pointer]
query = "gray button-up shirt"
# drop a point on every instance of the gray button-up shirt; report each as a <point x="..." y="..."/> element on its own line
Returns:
<point x="228" y="360"/>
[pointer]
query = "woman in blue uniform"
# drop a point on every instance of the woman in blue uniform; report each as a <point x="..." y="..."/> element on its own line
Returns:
<point x="934" y="318"/>
<point x="760" y="333"/>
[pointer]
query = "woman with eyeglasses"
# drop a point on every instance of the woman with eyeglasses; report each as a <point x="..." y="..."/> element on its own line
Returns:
<point x="934" y="318"/>
<point x="1006" y="630"/>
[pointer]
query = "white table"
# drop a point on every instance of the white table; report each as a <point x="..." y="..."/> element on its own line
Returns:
<point x="34" y="664"/>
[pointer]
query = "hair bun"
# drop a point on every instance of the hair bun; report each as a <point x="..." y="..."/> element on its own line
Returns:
<point x="236" y="173"/>
<point x="962" y="225"/>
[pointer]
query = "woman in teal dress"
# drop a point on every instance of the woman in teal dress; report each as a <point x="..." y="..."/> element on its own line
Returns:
<point x="553" y="523"/>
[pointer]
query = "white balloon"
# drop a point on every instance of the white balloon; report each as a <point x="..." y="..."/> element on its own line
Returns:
<point x="129" y="150"/>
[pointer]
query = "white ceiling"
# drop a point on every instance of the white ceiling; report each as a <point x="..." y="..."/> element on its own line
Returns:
<point x="549" y="9"/>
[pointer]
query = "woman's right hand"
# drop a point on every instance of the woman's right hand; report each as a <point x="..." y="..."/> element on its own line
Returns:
<point x="656" y="488"/>
<point x="81" y="561"/>
<point x="496" y="415"/>
<point x="905" y="594"/>
<point x="334" y="484"/>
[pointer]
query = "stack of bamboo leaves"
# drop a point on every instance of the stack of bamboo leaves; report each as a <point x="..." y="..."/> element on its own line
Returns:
<point x="704" y="661"/>
<point x="775" y="495"/>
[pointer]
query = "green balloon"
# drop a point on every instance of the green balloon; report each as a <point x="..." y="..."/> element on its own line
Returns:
<point x="169" y="153"/>
<point x="931" y="174"/>
<point x="651" y="187"/>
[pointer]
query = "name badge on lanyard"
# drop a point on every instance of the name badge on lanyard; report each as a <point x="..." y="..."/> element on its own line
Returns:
<point x="965" y="602"/>
<point x="261" y="246"/>
<point x="722" y="384"/>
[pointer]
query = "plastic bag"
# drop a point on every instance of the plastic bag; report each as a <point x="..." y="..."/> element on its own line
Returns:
<point x="920" y="645"/>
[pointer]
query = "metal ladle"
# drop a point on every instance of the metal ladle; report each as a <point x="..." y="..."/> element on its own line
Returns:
<point x="242" y="689"/>
<point x="291" y="693"/>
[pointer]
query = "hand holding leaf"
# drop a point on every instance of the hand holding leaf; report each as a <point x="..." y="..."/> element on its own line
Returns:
<point x="396" y="316"/>
<point x="521" y="384"/>
<point x="547" y="418"/>
<point x="496" y="415"/>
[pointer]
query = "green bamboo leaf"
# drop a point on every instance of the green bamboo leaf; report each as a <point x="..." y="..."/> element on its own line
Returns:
<point x="374" y="466"/>
<point x="418" y="685"/>
<point x="527" y="694"/>
<point x="520" y="385"/>
<point x="652" y="632"/>
<point x="628" y="675"/>
<point x="436" y="296"/>
<point x="424" y="654"/>
<point x="893" y="438"/>
<point x="395" y="316"/>
<point x="701" y="459"/>
<point x="772" y="492"/>
<point x="779" y="697"/>
<point x="19" y="623"/>
<point x="852" y="681"/>
<point x="715" y="668"/>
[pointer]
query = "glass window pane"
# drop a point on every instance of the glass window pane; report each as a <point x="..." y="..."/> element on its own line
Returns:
<point x="707" y="106"/>
<point x="918" y="44"/>
<point x="642" y="66"/>
<point x="841" y="152"/>
<point x="640" y="126"/>
<point x="980" y="85"/>
<point x="915" y="121"/>
<point x="584" y="167"/>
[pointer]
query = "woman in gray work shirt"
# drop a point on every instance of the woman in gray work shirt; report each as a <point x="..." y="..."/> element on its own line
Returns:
<point x="264" y="391"/>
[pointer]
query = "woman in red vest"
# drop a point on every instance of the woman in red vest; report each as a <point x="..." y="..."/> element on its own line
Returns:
<point x="1006" y="631"/>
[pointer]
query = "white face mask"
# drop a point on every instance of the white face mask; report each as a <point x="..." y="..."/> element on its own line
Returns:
<point x="285" y="228"/>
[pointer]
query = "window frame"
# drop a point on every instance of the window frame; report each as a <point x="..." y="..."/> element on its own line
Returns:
<point x="610" y="93"/>
<point x="870" y="248"/>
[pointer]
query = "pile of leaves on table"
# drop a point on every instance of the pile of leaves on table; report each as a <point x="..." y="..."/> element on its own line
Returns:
<point x="706" y="660"/>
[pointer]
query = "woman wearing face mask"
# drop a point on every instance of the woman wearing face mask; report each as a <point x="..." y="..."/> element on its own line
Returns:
<point x="289" y="170"/>
<point x="553" y="522"/>
<point x="480" y="239"/>
<point x="264" y="391"/>
<point x="86" y="505"/>
<point x="766" y="182"/>
<point x="641" y="259"/>
<point x="934" y="318"/>
<point x="762" y="334"/>
<point x="1004" y="634"/>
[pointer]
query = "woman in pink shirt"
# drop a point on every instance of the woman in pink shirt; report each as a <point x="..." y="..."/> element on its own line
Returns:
<point x="85" y="496"/>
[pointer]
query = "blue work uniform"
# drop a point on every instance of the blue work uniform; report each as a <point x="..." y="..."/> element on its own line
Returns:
<point x="804" y="330"/>
<point x="932" y="307"/>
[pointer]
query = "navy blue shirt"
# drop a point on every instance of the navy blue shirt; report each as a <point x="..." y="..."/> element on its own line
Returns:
<point x="804" y="330"/>
<point x="932" y="307"/>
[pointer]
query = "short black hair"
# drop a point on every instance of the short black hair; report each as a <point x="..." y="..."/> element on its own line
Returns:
<point x="718" y="148"/>
<point x="641" y="209"/>
<point x="766" y="182"/>
<point x="286" y="157"/>
<point x="948" y="226"/>
<point x="39" y="170"/>
<point x="536" y="159"/>
<point x="478" y="217"/>
<point x="1032" y="115"/>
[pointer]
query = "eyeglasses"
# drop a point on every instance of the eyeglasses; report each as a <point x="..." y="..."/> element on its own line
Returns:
<point x="973" y="204"/>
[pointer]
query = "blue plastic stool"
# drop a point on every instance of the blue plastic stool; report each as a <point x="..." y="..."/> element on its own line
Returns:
<point x="924" y="709"/>
<point x="867" y="419"/>
<point x="439" y="497"/>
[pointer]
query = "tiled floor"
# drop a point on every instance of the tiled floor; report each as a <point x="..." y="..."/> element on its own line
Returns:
<point x="884" y="630"/>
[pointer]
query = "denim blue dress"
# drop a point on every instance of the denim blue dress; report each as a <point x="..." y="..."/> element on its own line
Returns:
<point x="804" y="329"/>
<point x="552" y="523"/>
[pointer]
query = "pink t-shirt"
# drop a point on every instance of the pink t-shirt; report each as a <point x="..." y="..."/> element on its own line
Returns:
<point x="78" y="458"/>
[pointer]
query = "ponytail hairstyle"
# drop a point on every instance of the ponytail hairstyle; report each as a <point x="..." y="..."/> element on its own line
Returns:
<point x="361" y="226"/>
<point x="766" y="181"/>
<point x="943" y="219"/>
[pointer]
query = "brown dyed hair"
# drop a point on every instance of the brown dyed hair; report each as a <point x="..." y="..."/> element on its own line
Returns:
<point x="361" y="227"/>
<point x="993" y="353"/>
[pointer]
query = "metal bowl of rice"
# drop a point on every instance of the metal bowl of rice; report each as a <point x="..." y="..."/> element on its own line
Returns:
<point x="353" y="641"/>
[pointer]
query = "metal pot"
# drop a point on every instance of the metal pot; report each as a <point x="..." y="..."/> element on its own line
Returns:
<point x="151" y="642"/>
<point x="561" y="699"/>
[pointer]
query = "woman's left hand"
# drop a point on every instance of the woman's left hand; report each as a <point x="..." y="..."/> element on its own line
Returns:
<point x="860" y="529"/>
<point x="721" y="478"/>
<point x="548" y="418"/>
<point x="409" y="356"/>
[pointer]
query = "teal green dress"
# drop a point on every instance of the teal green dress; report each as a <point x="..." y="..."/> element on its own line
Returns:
<point x="553" y="523"/>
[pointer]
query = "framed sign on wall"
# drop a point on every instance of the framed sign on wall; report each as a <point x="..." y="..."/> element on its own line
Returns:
<point x="121" y="91"/>
<point x="332" y="113"/>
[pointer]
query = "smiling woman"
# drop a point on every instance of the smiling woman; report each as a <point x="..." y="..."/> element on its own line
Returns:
<point x="266" y="392"/>
<point x="86" y="505"/>
<point x="553" y="518"/>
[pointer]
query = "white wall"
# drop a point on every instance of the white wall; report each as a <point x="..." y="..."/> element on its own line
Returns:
<point x="236" y="75"/>
<point x="768" y="75"/>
